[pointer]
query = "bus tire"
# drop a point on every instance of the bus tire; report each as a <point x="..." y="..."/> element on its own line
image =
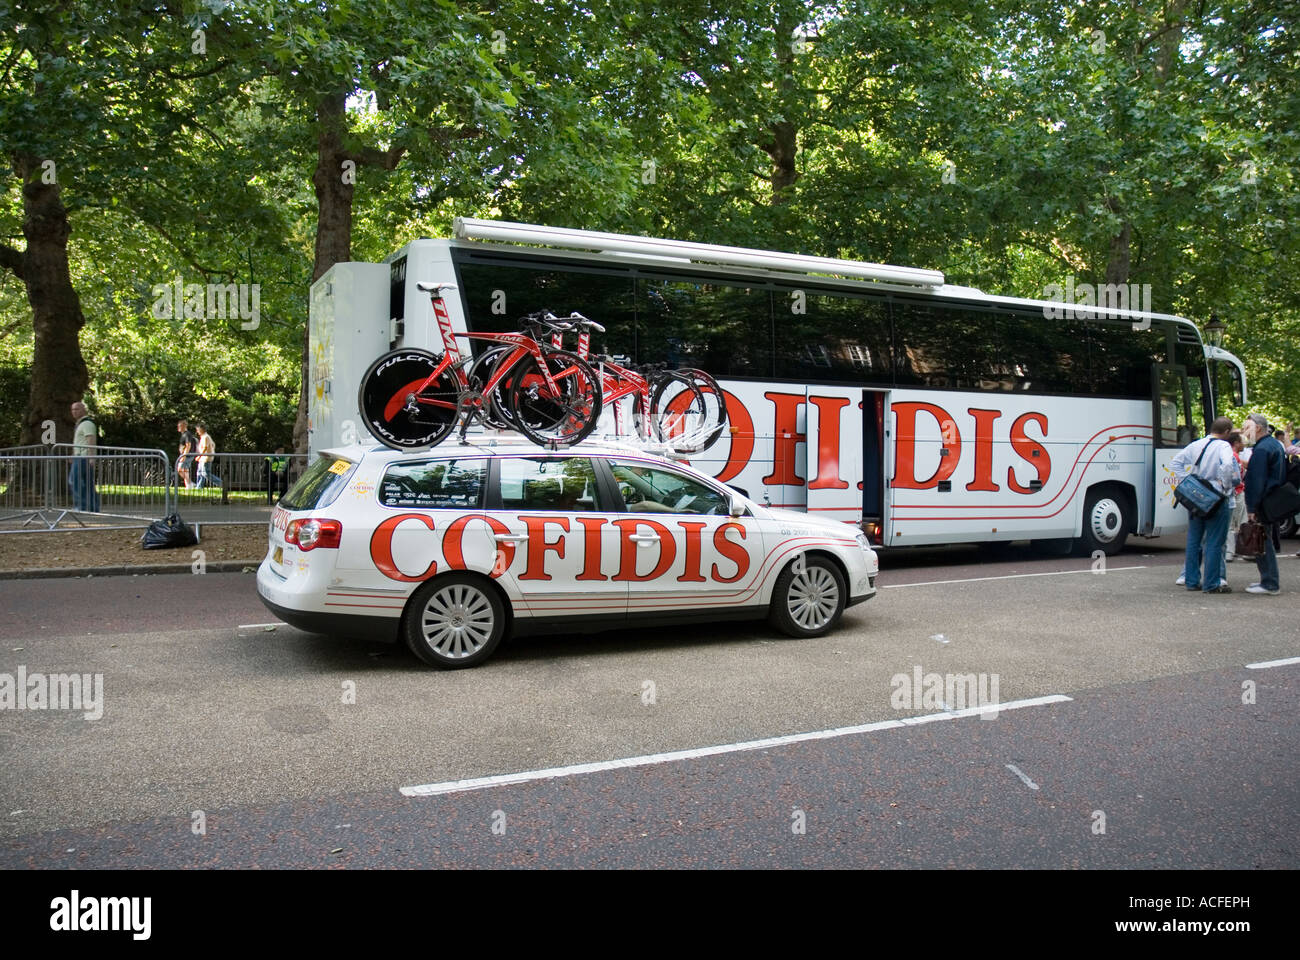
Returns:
<point x="1107" y="521"/>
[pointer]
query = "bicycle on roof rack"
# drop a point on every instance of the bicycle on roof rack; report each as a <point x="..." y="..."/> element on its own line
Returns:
<point x="412" y="399"/>
<point x="683" y="408"/>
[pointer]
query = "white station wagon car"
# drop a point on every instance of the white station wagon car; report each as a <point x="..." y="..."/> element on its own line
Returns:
<point x="452" y="548"/>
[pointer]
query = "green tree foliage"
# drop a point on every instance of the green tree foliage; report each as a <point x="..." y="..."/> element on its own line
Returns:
<point x="1010" y="145"/>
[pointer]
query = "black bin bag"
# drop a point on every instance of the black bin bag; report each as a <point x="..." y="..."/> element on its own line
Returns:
<point x="169" y="532"/>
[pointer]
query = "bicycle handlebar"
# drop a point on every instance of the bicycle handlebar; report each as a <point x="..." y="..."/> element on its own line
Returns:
<point x="574" y="321"/>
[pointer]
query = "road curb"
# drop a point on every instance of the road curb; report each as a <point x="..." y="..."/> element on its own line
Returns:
<point x="220" y="566"/>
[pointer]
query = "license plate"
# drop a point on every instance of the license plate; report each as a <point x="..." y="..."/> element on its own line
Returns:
<point x="278" y="556"/>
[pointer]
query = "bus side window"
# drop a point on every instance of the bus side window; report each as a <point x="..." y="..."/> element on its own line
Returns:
<point x="726" y="329"/>
<point x="1171" y="389"/>
<point x="1227" y="386"/>
<point x="1195" y="411"/>
<point x="497" y="294"/>
<point x="823" y="335"/>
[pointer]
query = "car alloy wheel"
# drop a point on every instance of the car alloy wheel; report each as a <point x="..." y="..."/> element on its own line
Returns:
<point x="813" y="598"/>
<point x="455" y="621"/>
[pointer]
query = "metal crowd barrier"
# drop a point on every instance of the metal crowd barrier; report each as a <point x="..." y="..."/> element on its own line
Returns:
<point x="238" y="488"/>
<point x="47" y="487"/>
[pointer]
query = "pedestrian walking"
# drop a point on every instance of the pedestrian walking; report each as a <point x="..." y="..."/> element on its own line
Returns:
<point x="81" y="477"/>
<point x="207" y="450"/>
<point x="1210" y="459"/>
<point x="186" y="449"/>
<point x="1267" y="472"/>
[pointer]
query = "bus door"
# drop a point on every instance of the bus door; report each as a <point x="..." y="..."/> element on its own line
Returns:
<point x="835" y="456"/>
<point x="874" y="405"/>
<point x="1176" y="421"/>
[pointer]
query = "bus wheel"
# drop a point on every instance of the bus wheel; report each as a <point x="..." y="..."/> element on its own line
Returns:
<point x="1105" y="522"/>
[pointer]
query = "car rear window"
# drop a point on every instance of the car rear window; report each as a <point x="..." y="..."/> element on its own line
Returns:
<point x="320" y="485"/>
<point x="435" y="484"/>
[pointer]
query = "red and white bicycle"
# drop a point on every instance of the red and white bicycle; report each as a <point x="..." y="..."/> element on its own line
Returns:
<point x="411" y="398"/>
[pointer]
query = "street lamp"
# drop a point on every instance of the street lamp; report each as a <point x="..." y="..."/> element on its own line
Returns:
<point x="1215" y="329"/>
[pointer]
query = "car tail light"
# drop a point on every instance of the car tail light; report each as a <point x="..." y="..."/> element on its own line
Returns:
<point x="310" y="534"/>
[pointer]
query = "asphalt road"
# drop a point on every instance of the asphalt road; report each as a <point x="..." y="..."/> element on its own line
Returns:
<point x="249" y="732"/>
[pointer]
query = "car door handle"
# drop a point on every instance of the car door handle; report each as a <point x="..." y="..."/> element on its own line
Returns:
<point x="645" y="537"/>
<point x="511" y="538"/>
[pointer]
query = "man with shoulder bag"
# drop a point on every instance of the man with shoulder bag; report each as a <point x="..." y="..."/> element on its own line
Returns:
<point x="1269" y="498"/>
<point x="1205" y="472"/>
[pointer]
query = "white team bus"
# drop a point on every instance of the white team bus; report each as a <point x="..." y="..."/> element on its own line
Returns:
<point x="925" y="412"/>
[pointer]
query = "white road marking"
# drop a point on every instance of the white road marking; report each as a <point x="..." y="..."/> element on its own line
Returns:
<point x="550" y="773"/>
<point x="1021" y="774"/>
<point x="1012" y="576"/>
<point x="259" y="626"/>
<point x="1264" y="665"/>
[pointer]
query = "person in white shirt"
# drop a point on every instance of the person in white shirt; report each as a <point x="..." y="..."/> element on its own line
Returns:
<point x="81" y="477"/>
<point x="1211" y="459"/>
<point x="207" y="447"/>
<point x="1238" y="499"/>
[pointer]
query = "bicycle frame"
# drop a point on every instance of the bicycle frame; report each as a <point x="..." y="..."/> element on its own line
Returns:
<point x="453" y="362"/>
<point x="616" y="381"/>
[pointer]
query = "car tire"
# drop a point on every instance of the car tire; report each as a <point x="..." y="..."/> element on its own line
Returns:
<point x="808" y="598"/>
<point x="454" y="621"/>
<point x="1288" y="527"/>
<point x="1106" y="522"/>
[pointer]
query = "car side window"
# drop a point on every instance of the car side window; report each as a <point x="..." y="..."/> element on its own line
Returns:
<point x="648" y="489"/>
<point x="546" y="483"/>
<point x="434" y="484"/>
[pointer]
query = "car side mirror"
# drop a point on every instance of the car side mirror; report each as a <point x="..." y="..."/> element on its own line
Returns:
<point x="736" y="508"/>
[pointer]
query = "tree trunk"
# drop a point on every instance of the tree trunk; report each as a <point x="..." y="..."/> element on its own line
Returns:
<point x="782" y="140"/>
<point x="334" y="187"/>
<point x="59" y="375"/>
<point x="782" y="148"/>
<point x="1117" y="264"/>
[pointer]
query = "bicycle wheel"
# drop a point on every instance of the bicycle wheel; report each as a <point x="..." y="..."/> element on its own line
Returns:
<point x="687" y="410"/>
<point x="390" y="408"/>
<point x="563" y="415"/>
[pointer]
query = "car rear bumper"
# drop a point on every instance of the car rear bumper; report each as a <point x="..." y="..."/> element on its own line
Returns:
<point x="300" y="607"/>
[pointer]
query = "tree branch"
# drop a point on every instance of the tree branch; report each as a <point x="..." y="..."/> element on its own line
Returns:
<point x="221" y="65"/>
<point x="373" y="157"/>
<point x="1146" y="42"/>
<point x="12" y="259"/>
